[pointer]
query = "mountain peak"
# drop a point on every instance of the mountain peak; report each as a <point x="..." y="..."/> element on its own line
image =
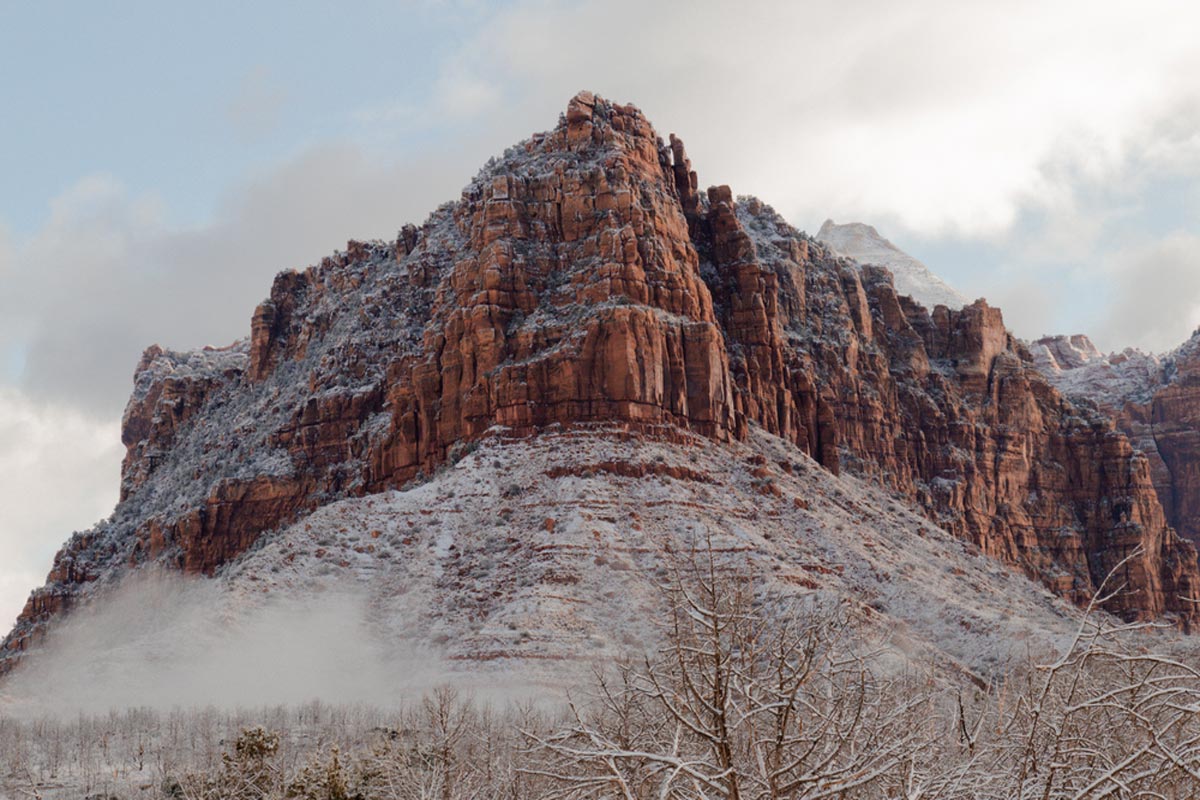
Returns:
<point x="864" y="244"/>
<point x="1066" y="352"/>
<point x="832" y="230"/>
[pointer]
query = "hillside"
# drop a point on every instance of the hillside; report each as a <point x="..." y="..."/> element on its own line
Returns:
<point x="527" y="560"/>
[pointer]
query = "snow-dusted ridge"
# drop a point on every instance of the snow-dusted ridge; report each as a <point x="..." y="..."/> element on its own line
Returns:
<point x="1078" y="369"/>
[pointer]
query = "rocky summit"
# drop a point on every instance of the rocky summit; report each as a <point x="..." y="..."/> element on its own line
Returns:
<point x="582" y="308"/>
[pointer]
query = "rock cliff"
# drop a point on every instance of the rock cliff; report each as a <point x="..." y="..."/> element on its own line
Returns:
<point x="582" y="278"/>
<point x="1156" y="403"/>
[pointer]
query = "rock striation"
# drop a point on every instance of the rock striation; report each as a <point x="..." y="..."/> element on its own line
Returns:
<point x="582" y="278"/>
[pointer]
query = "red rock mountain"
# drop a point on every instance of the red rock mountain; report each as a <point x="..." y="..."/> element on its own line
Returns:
<point x="583" y="278"/>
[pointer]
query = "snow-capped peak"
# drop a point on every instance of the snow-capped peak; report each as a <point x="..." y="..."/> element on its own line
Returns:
<point x="865" y="245"/>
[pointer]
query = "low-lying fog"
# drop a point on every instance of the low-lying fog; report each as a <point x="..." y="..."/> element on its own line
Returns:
<point x="162" y="641"/>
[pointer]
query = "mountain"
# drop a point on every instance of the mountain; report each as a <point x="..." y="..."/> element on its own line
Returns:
<point x="508" y="414"/>
<point x="1156" y="403"/>
<point x="863" y="243"/>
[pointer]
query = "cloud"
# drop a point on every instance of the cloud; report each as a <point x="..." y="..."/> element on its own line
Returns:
<point x="58" y="473"/>
<point x="1106" y="256"/>
<point x="163" y="641"/>
<point x="108" y="275"/>
<point x="11" y="352"/>
<point x="1037" y="137"/>
<point x="1157" y="292"/>
<point x="940" y="115"/>
<point x="6" y="254"/>
<point x="934" y="118"/>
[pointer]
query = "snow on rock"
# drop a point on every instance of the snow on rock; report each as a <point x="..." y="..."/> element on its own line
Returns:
<point x="582" y="278"/>
<point x="863" y="243"/>
<point x="1078" y="369"/>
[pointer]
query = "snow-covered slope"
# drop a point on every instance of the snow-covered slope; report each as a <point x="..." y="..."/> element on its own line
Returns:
<point x="863" y="243"/>
<point x="524" y="562"/>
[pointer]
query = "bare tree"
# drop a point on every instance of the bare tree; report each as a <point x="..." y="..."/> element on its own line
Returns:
<point x="1108" y="717"/>
<point x="750" y="694"/>
<point x="747" y="699"/>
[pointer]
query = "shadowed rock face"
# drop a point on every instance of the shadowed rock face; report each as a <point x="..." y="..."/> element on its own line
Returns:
<point x="1174" y="415"/>
<point x="582" y="278"/>
<point x="945" y="407"/>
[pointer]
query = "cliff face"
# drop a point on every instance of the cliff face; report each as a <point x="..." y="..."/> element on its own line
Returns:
<point x="1156" y="403"/>
<point x="583" y="278"/>
<point x="1174" y="422"/>
<point x="946" y="408"/>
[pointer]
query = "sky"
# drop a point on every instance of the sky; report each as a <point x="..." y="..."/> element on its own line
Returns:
<point x="161" y="162"/>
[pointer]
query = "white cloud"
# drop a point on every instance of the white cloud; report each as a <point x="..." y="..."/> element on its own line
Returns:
<point x="162" y="641"/>
<point x="108" y="275"/>
<point x="938" y="114"/>
<point x="460" y="95"/>
<point x="1037" y="132"/>
<point x="59" y="472"/>
<point x="933" y="117"/>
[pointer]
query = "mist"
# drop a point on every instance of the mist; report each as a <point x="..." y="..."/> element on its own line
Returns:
<point x="163" y="641"/>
